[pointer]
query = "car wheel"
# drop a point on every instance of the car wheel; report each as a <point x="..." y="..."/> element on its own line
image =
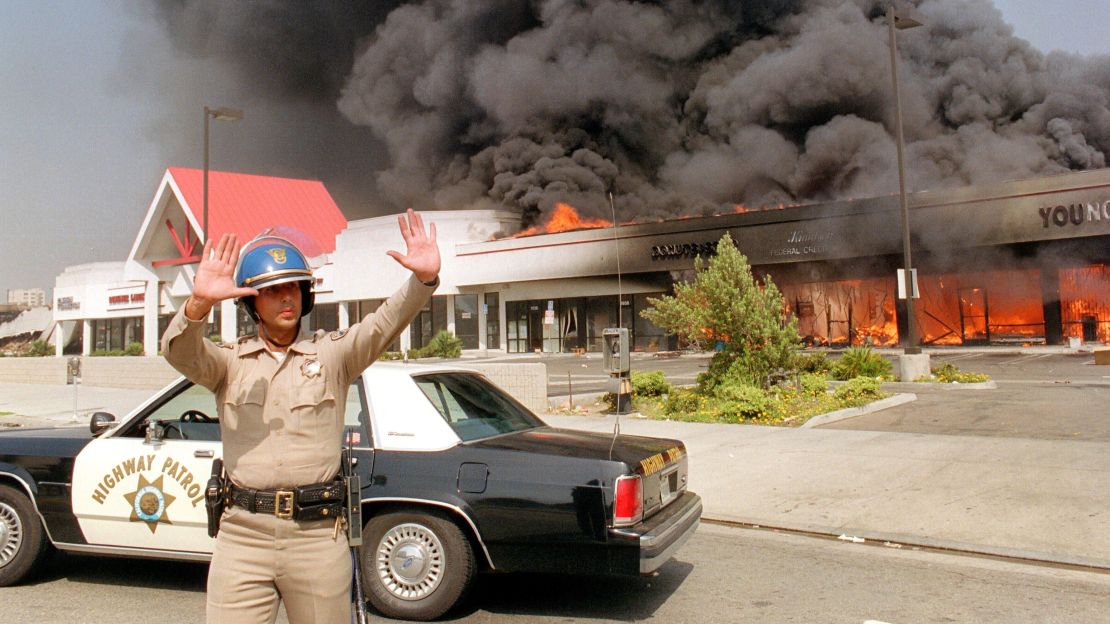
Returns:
<point x="415" y="565"/>
<point x="22" y="539"/>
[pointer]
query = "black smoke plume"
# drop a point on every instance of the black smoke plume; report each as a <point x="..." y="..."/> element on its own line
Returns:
<point x="676" y="107"/>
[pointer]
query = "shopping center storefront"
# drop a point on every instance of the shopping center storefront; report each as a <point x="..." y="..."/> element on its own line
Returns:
<point x="1019" y="262"/>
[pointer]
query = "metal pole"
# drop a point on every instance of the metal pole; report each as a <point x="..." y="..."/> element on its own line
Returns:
<point x="911" y="346"/>
<point x="205" y="226"/>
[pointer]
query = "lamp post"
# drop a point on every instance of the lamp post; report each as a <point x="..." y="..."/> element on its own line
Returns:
<point x="219" y="114"/>
<point x="902" y="18"/>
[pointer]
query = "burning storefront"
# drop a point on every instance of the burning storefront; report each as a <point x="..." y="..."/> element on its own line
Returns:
<point x="1021" y="262"/>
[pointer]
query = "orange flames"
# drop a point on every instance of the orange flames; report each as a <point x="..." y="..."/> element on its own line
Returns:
<point x="983" y="307"/>
<point x="564" y="219"/>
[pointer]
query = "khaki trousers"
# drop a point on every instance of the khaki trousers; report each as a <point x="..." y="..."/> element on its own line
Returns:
<point x="260" y="559"/>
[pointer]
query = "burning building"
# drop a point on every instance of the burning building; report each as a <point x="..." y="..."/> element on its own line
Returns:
<point x="1016" y="262"/>
<point x="1022" y="262"/>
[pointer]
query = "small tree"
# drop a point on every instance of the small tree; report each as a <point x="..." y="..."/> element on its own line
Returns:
<point x="726" y="307"/>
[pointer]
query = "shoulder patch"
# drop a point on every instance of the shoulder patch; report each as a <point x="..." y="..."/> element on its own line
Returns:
<point x="338" y="335"/>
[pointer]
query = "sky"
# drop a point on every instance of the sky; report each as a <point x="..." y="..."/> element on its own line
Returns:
<point x="97" y="104"/>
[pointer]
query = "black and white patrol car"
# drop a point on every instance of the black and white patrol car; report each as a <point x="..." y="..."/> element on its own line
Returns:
<point x="457" y="477"/>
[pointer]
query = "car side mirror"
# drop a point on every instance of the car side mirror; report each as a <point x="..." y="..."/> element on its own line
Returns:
<point x="154" y="431"/>
<point x="100" y="422"/>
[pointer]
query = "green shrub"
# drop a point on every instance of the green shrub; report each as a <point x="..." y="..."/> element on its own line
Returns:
<point x="40" y="348"/>
<point x="444" y="344"/>
<point x="812" y="362"/>
<point x="682" y="401"/>
<point x="216" y="338"/>
<point x="725" y="306"/>
<point x="861" y="362"/>
<point x="949" y="373"/>
<point x="814" y="384"/>
<point x="390" y="355"/>
<point x="650" y="383"/>
<point x="858" y="391"/>
<point x="134" y="349"/>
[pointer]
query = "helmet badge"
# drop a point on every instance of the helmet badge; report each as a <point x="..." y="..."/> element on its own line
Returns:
<point x="278" y="254"/>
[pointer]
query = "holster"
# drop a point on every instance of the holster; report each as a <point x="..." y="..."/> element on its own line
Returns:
<point x="214" y="497"/>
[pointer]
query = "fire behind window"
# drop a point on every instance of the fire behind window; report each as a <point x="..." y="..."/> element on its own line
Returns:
<point x="988" y="307"/>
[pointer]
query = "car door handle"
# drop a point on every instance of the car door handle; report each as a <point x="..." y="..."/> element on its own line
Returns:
<point x="204" y="453"/>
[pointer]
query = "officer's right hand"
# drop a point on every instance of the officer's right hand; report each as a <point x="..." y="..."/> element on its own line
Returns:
<point x="215" y="278"/>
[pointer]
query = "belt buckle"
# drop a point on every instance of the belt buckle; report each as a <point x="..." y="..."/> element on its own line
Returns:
<point x="283" y="504"/>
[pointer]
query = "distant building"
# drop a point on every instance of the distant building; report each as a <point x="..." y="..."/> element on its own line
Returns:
<point x="33" y="297"/>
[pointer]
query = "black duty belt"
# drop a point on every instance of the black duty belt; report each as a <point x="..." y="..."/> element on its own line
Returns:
<point x="307" y="502"/>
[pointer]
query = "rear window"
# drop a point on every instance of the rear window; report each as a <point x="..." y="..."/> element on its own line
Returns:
<point x="473" y="407"/>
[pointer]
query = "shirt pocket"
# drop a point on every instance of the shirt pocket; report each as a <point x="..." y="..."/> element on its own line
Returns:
<point x="312" y="415"/>
<point x="242" y="413"/>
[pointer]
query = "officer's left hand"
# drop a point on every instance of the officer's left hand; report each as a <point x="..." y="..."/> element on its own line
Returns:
<point x="422" y="253"/>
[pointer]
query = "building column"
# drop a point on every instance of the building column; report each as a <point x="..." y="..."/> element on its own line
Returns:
<point x="150" y="317"/>
<point x="229" y="321"/>
<point x="502" y="327"/>
<point x="59" y="337"/>
<point x="406" y="338"/>
<point x="344" y="316"/>
<point x="1050" y="299"/>
<point x="86" y="336"/>
<point x="482" y="322"/>
<point x="451" y="314"/>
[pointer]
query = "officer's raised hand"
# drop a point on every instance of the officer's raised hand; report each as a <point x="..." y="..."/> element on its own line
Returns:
<point x="422" y="253"/>
<point x="215" y="278"/>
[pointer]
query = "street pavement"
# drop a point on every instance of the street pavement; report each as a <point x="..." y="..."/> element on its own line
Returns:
<point x="1010" y="493"/>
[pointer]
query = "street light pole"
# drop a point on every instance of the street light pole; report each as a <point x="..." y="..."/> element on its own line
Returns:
<point x="900" y="20"/>
<point x="220" y="114"/>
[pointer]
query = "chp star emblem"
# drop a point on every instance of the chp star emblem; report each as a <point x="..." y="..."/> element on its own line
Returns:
<point x="148" y="503"/>
<point x="311" y="368"/>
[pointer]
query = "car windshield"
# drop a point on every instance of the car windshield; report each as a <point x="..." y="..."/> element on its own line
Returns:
<point x="473" y="407"/>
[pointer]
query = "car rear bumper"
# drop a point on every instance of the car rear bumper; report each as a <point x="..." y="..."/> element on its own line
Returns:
<point x="658" y="537"/>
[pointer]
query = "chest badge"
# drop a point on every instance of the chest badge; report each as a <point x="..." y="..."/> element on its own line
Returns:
<point x="311" y="368"/>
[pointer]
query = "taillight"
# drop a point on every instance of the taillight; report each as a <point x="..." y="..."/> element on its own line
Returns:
<point x="628" y="508"/>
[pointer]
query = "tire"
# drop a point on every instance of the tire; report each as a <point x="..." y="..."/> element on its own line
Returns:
<point x="22" y="538"/>
<point x="444" y="559"/>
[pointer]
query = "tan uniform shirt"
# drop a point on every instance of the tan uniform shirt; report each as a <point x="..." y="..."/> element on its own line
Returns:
<point x="282" y="423"/>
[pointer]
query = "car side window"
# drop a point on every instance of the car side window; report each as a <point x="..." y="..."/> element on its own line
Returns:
<point x="191" y="415"/>
<point x="473" y="407"/>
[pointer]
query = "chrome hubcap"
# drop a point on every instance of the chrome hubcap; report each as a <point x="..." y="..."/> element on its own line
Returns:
<point x="11" y="534"/>
<point x="410" y="561"/>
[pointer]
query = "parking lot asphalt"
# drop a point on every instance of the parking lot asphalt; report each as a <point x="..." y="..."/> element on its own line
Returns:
<point x="1019" y="471"/>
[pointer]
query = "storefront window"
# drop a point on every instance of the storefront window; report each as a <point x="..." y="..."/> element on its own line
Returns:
<point x="324" y="316"/>
<point x="466" y="320"/>
<point x="213" y="327"/>
<point x="115" y="334"/>
<point x="493" y="321"/>
<point x="647" y="336"/>
<point x="428" y="322"/>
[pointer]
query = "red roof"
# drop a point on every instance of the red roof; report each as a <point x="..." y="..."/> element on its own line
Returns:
<point x="245" y="205"/>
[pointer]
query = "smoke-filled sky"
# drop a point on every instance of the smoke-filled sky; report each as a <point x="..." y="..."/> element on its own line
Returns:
<point x="677" y="107"/>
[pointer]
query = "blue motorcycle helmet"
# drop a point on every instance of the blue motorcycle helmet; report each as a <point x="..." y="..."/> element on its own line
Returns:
<point x="269" y="260"/>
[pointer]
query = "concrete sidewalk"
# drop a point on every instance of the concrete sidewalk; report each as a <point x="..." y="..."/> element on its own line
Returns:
<point x="1034" y="499"/>
<point x="1038" y="499"/>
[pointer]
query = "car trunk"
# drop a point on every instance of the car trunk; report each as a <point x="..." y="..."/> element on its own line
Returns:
<point x="661" y="463"/>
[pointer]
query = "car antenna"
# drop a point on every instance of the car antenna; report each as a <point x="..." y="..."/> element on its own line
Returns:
<point x="620" y="316"/>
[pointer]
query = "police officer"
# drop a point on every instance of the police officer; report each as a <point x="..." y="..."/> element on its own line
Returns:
<point x="281" y="401"/>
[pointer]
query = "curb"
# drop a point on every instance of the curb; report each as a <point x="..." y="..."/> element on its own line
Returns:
<point x="852" y="412"/>
<point x="918" y="541"/>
